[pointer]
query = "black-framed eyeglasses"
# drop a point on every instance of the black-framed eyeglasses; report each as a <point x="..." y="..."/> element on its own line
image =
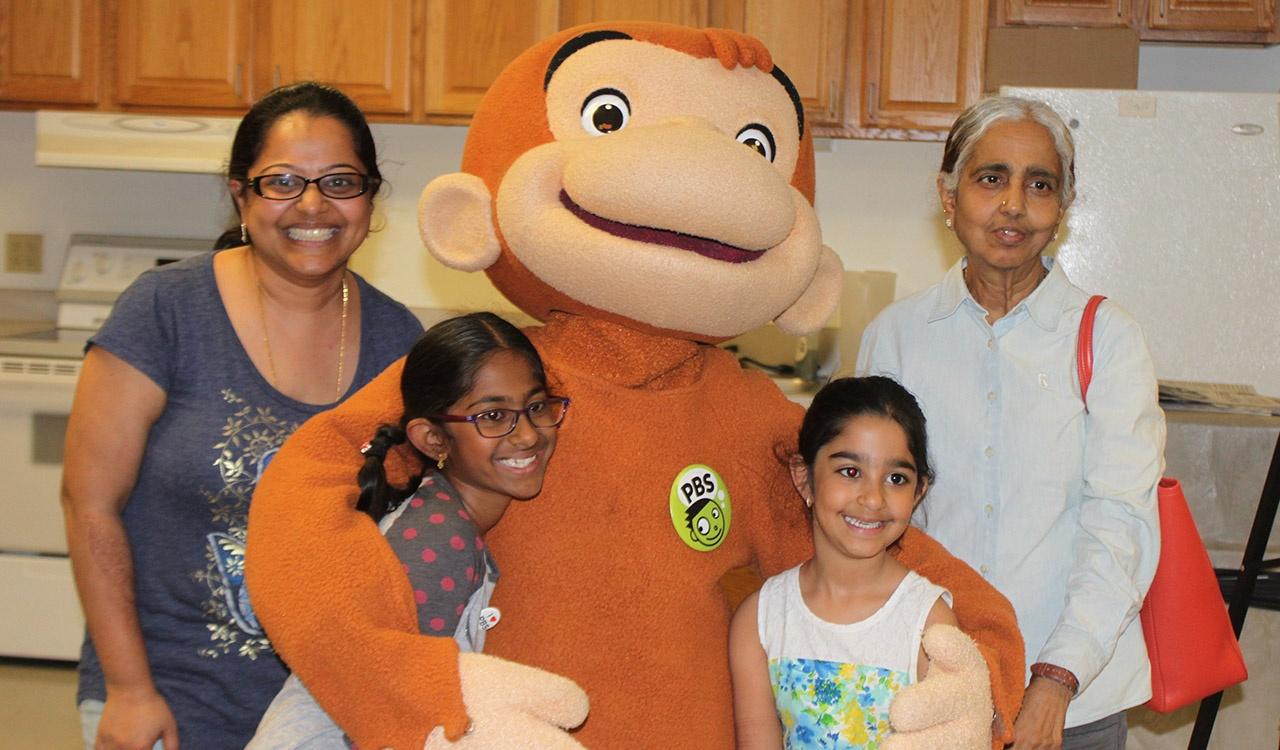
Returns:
<point x="282" y="186"/>
<point x="496" y="423"/>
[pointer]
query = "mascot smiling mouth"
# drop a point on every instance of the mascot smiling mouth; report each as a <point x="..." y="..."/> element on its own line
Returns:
<point x="702" y="246"/>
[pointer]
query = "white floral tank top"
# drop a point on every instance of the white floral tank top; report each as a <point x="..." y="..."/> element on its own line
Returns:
<point x="832" y="683"/>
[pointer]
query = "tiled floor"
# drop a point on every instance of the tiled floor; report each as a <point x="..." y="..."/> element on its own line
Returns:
<point x="37" y="706"/>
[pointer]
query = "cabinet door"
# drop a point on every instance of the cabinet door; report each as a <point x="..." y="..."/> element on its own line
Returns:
<point x="923" y="62"/>
<point x="49" y="51"/>
<point x="809" y="41"/>
<point x="361" y="48"/>
<point x="470" y="41"/>
<point x="1211" y="15"/>
<point x="686" y="12"/>
<point x="183" y="53"/>
<point x="1064" y="12"/>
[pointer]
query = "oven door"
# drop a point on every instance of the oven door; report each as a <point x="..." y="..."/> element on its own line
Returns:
<point x="34" y="404"/>
<point x="42" y="613"/>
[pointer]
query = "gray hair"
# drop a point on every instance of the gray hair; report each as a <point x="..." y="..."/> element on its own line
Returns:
<point x="974" y="122"/>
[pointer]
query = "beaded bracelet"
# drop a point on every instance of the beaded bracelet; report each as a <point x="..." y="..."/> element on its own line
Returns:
<point x="1060" y="675"/>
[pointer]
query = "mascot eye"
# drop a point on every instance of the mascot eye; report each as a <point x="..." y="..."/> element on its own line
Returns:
<point x="759" y="138"/>
<point x="605" y="111"/>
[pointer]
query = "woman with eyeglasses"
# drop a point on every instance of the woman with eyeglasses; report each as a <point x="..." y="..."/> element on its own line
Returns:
<point x="202" y="371"/>
<point x="477" y="409"/>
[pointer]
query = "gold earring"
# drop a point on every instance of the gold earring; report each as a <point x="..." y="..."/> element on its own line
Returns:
<point x="440" y="461"/>
<point x="808" y="501"/>
<point x="948" y="222"/>
<point x="244" y="234"/>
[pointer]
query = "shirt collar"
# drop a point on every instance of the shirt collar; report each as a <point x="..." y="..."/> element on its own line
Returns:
<point x="1044" y="304"/>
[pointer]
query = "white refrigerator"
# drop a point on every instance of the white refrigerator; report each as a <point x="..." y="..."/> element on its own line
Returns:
<point x="1177" y="218"/>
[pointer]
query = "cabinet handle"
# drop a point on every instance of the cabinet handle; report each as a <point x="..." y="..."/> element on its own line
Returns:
<point x="236" y="84"/>
<point x="1162" y="7"/>
<point x="871" y="103"/>
<point x="275" y="76"/>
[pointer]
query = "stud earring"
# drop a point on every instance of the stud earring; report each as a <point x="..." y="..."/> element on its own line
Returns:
<point x="244" y="234"/>
<point x="440" y="462"/>
<point x="808" y="502"/>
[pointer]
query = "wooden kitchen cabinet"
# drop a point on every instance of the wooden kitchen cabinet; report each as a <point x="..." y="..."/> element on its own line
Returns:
<point x="468" y="42"/>
<point x="49" y="51"/>
<point x="183" y="53"/>
<point x="922" y="63"/>
<point x="685" y="12"/>
<point x="809" y="40"/>
<point x="1210" y="15"/>
<point x="1211" y="21"/>
<point x="1063" y="12"/>
<point x="363" y="48"/>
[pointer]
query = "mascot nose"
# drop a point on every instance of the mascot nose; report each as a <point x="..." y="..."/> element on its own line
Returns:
<point x="683" y="175"/>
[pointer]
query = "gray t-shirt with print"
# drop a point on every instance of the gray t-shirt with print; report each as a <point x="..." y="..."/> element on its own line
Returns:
<point x="186" y="517"/>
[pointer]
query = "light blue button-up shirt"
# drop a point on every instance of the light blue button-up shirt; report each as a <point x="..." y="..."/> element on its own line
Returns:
<point x="1056" y="507"/>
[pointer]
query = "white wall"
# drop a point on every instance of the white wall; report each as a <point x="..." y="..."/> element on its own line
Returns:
<point x="59" y="202"/>
<point x="876" y="199"/>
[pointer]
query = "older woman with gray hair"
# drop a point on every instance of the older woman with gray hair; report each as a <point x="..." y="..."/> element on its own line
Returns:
<point x="1052" y="503"/>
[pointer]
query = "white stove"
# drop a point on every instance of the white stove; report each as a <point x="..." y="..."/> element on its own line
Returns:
<point x="38" y="372"/>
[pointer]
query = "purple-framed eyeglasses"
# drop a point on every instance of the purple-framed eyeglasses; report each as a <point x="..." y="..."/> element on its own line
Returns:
<point x="496" y="423"/>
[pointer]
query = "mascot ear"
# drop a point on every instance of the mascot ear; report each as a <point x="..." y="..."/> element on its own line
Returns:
<point x="455" y="221"/>
<point x="817" y="302"/>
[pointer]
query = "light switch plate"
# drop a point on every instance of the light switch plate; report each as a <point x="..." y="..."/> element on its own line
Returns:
<point x="24" y="253"/>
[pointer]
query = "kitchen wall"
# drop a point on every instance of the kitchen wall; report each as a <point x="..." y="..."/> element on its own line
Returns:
<point x="876" y="199"/>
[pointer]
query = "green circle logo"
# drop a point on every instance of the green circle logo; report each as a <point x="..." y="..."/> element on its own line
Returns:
<point x="700" y="508"/>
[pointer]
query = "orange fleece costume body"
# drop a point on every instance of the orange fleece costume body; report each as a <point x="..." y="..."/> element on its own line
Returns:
<point x="637" y="249"/>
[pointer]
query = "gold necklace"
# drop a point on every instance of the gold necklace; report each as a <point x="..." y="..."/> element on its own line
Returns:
<point x="266" y="339"/>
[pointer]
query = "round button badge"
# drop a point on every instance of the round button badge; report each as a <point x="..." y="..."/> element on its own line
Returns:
<point x="700" y="507"/>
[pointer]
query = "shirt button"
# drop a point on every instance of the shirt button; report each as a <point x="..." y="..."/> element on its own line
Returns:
<point x="983" y="570"/>
<point x="989" y="509"/>
<point x="991" y="344"/>
<point x="991" y="395"/>
<point x="989" y="452"/>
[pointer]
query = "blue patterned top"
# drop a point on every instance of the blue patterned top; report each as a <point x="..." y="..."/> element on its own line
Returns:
<point x="186" y="516"/>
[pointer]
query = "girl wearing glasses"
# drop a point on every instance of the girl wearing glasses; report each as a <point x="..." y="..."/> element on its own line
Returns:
<point x="477" y="409"/>
<point x="202" y="371"/>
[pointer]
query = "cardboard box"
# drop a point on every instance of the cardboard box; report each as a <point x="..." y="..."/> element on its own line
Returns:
<point x="1062" y="58"/>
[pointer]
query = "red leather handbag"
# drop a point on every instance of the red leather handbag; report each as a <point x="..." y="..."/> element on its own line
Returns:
<point x="1190" y="641"/>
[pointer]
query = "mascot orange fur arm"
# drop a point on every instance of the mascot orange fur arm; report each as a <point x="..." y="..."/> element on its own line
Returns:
<point x="645" y="190"/>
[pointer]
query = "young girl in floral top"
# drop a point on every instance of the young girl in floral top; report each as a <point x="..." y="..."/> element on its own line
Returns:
<point x="819" y="652"/>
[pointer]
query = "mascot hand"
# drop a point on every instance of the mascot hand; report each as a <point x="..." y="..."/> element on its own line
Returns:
<point x="514" y="706"/>
<point x="951" y="706"/>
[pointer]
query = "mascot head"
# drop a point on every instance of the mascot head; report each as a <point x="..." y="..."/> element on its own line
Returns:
<point x="654" y="175"/>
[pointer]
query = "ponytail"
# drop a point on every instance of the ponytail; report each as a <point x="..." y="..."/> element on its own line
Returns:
<point x="377" y="497"/>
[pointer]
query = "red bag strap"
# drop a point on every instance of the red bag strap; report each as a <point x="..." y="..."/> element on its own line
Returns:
<point x="1084" y="347"/>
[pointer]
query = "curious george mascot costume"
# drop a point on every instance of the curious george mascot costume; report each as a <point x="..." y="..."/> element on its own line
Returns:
<point x="644" y="190"/>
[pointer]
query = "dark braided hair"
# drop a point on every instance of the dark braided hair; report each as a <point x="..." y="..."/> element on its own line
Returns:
<point x="439" y="370"/>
